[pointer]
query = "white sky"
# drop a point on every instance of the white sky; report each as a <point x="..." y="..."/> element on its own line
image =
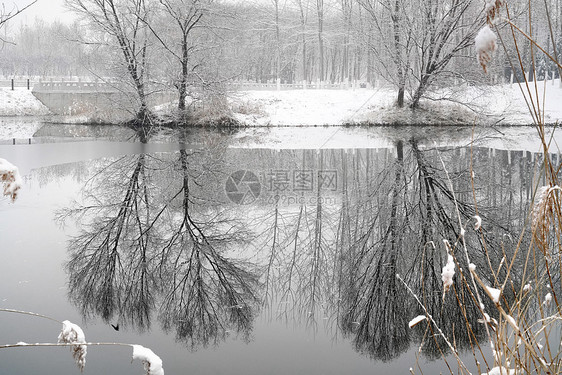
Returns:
<point x="49" y="10"/>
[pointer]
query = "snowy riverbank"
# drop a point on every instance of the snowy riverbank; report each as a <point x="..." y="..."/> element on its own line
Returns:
<point x="20" y="102"/>
<point x="492" y="104"/>
<point x="481" y="105"/>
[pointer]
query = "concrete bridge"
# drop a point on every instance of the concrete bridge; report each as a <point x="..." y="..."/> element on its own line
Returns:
<point x="101" y="101"/>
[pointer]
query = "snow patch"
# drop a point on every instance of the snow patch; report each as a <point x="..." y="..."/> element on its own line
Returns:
<point x="20" y="102"/>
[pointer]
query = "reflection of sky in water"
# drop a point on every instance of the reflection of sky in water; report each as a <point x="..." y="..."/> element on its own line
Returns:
<point x="34" y="249"/>
<point x="32" y="279"/>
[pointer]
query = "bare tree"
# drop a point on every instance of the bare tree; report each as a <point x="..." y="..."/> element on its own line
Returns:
<point x="390" y="19"/>
<point x="320" y="15"/>
<point x="303" y="18"/>
<point x="184" y="15"/>
<point x="447" y="29"/>
<point x="7" y="14"/>
<point x="421" y="39"/>
<point x="124" y="21"/>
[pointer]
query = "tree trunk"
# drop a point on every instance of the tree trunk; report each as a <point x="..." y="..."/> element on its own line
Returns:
<point x="182" y="88"/>
<point x="398" y="55"/>
<point x="320" y="12"/>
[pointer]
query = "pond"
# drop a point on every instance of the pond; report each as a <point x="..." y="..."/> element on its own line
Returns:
<point x="264" y="251"/>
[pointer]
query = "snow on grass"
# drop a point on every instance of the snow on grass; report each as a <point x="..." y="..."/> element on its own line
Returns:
<point x="480" y="105"/>
<point x="502" y="104"/>
<point x="307" y="107"/>
<point x="20" y="102"/>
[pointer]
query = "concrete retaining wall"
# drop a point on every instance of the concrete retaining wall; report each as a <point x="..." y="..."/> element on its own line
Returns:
<point x="98" y="101"/>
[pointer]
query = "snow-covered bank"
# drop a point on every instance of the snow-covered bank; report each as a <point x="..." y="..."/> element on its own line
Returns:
<point x="20" y="102"/>
<point x="503" y="104"/>
<point x="306" y="107"/>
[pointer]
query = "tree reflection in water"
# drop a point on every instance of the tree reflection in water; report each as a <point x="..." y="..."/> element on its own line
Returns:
<point x="392" y="216"/>
<point x="205" y="292"/>
<point x="157" y="237"/>
<point x="145" y="247"/>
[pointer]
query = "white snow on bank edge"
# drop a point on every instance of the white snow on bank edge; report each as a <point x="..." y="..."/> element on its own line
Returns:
<point x="20" y="102"/>
<point x="493" y="104"/>
<point x="272" y="109"/>
<point x="307" y="107"/>
<point x="503" y="103"/>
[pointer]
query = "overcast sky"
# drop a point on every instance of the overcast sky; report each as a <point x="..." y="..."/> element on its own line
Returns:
<point x="49" y="10"/>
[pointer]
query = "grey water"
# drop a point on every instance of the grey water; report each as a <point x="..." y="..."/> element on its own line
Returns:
<point x="241" y="253"/>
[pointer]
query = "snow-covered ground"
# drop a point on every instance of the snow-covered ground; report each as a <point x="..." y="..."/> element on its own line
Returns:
<point x="20" y="102"/>
<point x="481" y="105"/>
<point x="490" y="104"/>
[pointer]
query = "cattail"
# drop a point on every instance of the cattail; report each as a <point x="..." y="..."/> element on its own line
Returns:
<point x="492" y="9"/>
<point x="71" y="334"/>
<point x="152" y="363"/>
<point x="485" y="43"/>
<point x="10" y="177"/>
<point x="543" y="203"/>
<point x="448" y="272"/>
<point x="478" y="223"/>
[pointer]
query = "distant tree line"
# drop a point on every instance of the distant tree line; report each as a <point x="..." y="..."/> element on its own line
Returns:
<point x="182" y="44"/>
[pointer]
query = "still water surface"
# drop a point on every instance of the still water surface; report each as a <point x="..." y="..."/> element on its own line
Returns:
<point x="262" y="252"/>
